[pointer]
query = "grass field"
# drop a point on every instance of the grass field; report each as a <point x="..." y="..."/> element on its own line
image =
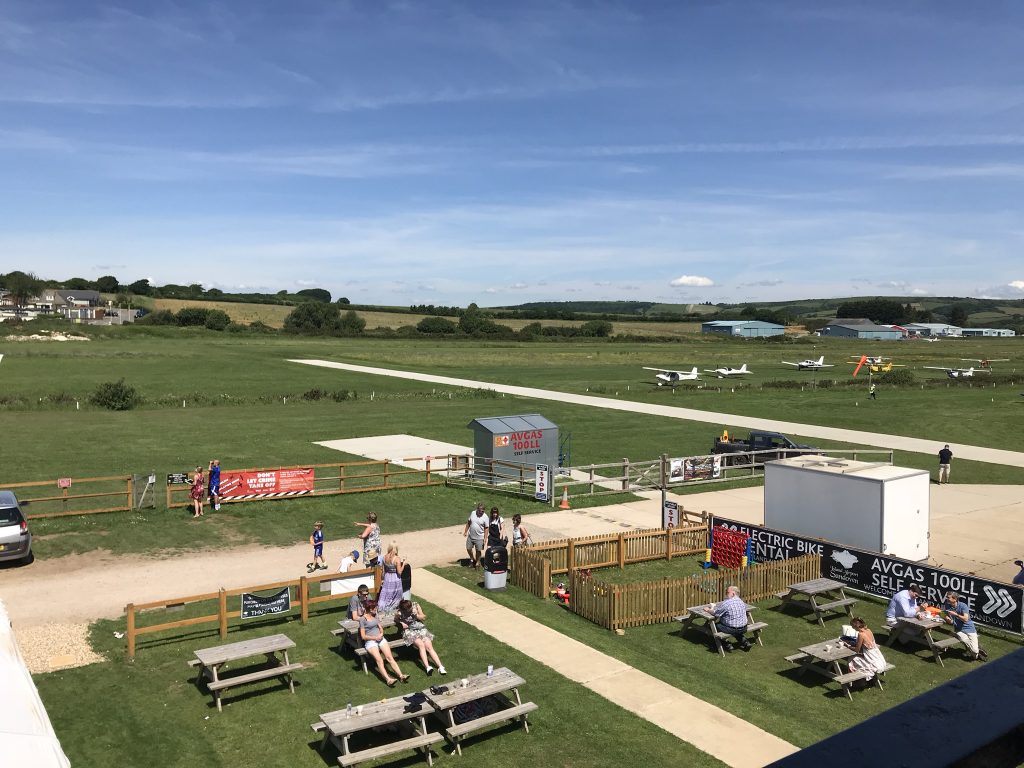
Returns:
<point x="244" y="403"/>
<point x="760" y="686"/>
<point x="151" y="712"/>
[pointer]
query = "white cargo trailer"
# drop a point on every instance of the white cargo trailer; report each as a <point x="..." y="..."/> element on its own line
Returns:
<point x="875" y="507"/>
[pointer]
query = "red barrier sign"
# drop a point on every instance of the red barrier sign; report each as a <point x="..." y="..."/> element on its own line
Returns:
<point x="269" y="483"/>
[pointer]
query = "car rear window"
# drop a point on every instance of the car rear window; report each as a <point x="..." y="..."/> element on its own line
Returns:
<point x="9" y="516"/>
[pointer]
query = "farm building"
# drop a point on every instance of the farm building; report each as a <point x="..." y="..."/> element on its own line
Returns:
<point x="988" y="332"/>
<point x="933" y="329"/>
<point x="861" y="331"/>
<point x="745" y="328"/>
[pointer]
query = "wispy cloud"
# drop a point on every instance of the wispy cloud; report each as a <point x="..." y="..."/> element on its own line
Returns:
<point x="691" y="281"/>
<point x="978" y="171"/>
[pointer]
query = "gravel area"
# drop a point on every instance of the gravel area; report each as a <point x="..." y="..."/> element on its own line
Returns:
<point x="48" y="647"/>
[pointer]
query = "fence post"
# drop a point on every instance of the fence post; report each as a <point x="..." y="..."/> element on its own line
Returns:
<point x="668" y="543"/>
<point x="131" y="494"/>
<point x="304" y="598"/>
<point x="625" y="473"/>
<point x="341" y="477"/>
<point x="130" y="610"/>
<point x="570" y="560"/>
<point x="622" y="551"/>
<point x="222" y="612"/>
<point x="428" y="470"/>
<point x="387" y="466"/>
<point x="546" y="575"/>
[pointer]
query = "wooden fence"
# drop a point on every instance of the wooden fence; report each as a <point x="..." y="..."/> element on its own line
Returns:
<point x="222" y="614"/>
<point x="533" y="567"/>
<point x="73" y="496"/>
<point x="616" y="606"/>
<point x="347" y="477"/>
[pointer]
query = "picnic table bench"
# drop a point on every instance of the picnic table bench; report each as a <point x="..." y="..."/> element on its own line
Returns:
<point x="709" y="625"/>
<point x="833" y="592"/>
<point x="445" y="699"/>
<point x="212" y="660"/>
<point x="348" y="632"/>
<point x="920" y="631"/>
<point x="339" y="725"/>
<point x="823" y="659"/>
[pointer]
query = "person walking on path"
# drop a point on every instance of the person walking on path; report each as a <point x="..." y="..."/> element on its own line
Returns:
<point x="945" y="459"/>
<point x="871" y="391"/>
<point x="196" y="494"/>
<point x="370" y="537"/>
<point x="316" y="539"/>
<point x="496" y="530"/>
<point x="474" y="531"/>
<point x="390" y="594"/>
<point x="214" y="483"/>
<point x="959" y="615"/>
<point x="520" y="534"/>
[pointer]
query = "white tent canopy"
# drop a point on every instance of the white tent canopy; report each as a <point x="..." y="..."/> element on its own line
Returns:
<point x="26" y="735"/>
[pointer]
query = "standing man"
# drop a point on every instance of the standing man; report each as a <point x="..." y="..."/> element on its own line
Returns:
<point x="731" y="617"/>
<point x="214" y="488"/>
<point x="871" y="391"/>
<point x="945" y="459"/>
<point x="474" y="531"/>
<point x="959" y="615"/>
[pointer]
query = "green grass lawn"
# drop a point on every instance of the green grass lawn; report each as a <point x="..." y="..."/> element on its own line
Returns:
<point x="759" y="686"/>
<point x="151" y="712"/>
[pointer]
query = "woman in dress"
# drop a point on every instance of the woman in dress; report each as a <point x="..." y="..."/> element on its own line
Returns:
<point x="370" y="537"/>
<point x="520" y="535"/>
<point x="390" y="594"/>
<point x="196" y="493"/>
<point x="372" y="634"/>
<point x="869" y="658"/>
<point x="496" y="530"/>
<point x="410" y="618"/>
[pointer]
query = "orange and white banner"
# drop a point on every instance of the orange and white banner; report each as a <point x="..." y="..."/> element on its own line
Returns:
<point x="266" y="483"/>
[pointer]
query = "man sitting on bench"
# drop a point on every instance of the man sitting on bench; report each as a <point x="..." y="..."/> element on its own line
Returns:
<point x="731" y="617"/>
<point x="902" y="604"/>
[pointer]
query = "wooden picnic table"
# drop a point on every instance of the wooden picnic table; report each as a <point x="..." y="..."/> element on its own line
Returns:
<point x="833" y="592"/>
<point x="446" y="698"/>
<point x="708" y="624"/>
<point x="920" y="630"/>
<point x="348" y="630"/>
<point x="823" y="659"/>
<point x="211" y="660"/>
<point x="339" y="725"/>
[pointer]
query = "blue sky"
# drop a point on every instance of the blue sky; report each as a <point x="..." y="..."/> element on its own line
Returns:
<point x="448" y="152"/>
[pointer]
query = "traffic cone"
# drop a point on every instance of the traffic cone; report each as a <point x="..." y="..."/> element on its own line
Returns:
<point x="565" y="499"/>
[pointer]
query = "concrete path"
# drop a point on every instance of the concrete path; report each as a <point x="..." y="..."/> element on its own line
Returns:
<point x="710" y="729"/>
<point x="895" y="442"/>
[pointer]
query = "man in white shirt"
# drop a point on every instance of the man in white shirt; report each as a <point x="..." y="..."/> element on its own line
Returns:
<point x="474" y="531"/>
<point x="903" y="604"/>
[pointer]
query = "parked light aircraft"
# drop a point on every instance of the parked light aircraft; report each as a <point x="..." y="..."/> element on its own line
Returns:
<point x="673" y="377"/>
<point x="986" y="363"/>
<point x="726" y="371"/>
<point x="869" y="359"/>
<point x="877" y="367"/>
<point x="958" y="373"/>
<point x="812" y="365"/>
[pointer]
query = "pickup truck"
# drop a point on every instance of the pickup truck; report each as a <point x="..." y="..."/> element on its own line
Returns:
<point x="780" y="447"/>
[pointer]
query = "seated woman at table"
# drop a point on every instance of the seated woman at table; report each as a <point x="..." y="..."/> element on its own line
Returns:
<point x="372" y="634"/>
<point x="410" y="618"/>
<point x="869" y="658"/>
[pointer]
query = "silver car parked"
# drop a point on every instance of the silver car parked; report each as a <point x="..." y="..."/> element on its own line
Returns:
<point x="15" y="538"/>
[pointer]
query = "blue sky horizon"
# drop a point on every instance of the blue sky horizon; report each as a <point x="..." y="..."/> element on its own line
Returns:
<point x="449" y="152"/>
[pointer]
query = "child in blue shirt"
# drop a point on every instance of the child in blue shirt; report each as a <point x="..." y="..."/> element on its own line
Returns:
<point x="317" y="540"/>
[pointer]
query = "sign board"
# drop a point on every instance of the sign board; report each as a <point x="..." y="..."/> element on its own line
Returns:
<point x="254" y="606"/>
<point x="266" y="483"/>
<point x="64" y="482"/>
<point x="542" y="490"/>
<point x="695" y="468"/>
<point x="178" y="478"/>
<point x="992" y="603"/>
<point x="669" y="514"/>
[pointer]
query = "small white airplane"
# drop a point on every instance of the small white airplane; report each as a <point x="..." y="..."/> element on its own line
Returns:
<point x="811" y="365"/>
<point x="726" y="371"/>
<point x="958" y="373"/>
<point x="986" y="363"/>
<point x="672" y="378"/>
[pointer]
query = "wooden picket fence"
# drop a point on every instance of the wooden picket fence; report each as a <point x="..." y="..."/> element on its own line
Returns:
<point x="533" y="567"/>
<point x="303" y="597"/>
<point x="616" y="606"/>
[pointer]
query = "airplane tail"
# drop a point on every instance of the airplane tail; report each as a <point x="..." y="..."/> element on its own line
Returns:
<point x="743" y="368"/>
<point x="821" y="360"/>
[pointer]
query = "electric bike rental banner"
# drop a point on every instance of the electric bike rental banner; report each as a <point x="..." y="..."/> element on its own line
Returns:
<point x="266" y="483"/>
<point x="992" y="603"/>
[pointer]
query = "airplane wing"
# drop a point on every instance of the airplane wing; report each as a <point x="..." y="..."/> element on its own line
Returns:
<point x="666" y="370"/>
<point x="711" y="370"/>
<point x="937" y="368"/>
<point x="825" y="365"/>
<point x="796" y="364"/>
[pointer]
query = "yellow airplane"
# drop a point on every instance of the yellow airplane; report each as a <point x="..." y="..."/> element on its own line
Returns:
<point x="874" y="367"/>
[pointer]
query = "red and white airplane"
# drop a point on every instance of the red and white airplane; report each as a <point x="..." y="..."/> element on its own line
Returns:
<point x="811" y="365"/>
<point x="726" y="371"/>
